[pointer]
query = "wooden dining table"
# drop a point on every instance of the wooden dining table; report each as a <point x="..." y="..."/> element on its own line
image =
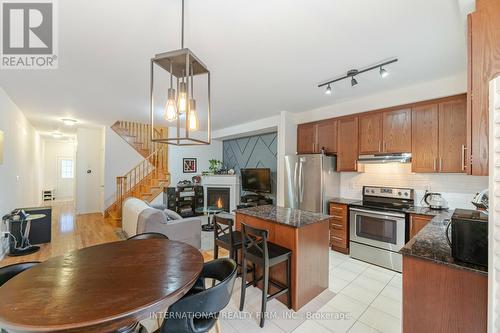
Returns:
<point x="102" y="288"/>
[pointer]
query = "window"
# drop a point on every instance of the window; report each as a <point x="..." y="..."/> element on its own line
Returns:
<point x="67" y="169"/>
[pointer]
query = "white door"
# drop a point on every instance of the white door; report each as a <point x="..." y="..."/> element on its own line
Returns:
<point x="65" y="177"/>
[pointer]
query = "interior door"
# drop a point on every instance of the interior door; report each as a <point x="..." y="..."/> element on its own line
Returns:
<point x="65" y="177"/>
<point x="397" y="131"/>
<point x="452" y="135"/>
<point x="310" y="189"/>
<point x="347" y="149"/>
<point x="425" y="138"/>
<point x="370" y="133"/>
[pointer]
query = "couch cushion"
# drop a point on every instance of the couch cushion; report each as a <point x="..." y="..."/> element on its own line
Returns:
<point x="172" y="215"/>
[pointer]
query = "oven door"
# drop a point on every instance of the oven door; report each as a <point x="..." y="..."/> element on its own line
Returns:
<point x="385" y="230"/>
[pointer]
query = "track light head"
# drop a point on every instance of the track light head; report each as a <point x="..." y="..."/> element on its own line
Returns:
<point x="383" y="72"/>
<point x="328" y="90"/>
<point x="353" y="82"/>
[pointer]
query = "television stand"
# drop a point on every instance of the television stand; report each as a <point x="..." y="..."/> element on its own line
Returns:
<point x="256" y="200"/>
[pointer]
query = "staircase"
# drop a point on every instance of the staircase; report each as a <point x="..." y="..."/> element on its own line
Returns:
<point x="148" y="178"/>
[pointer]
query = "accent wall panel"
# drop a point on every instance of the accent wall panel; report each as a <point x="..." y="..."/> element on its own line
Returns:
<point x="258" y="151"/>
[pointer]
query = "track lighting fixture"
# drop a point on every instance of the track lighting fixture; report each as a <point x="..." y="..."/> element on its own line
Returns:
<point x="383" y="72"/>
<point x="354" y="72"/>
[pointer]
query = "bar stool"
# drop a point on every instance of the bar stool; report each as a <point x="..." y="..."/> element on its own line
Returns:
<point x="226" y="237"/>
<point x="261" y="252"/>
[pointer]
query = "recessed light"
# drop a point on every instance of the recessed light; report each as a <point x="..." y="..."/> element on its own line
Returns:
<point x="57" y="135"/>
<point x="69" y="122"/>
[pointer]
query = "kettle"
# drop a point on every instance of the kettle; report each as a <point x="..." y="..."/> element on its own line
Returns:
<point x="435" y="200"/>
<point x="481" y="200"/>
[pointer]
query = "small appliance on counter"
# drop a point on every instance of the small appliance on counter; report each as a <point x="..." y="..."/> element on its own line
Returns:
<point x="481" y="200"/>
<point x="435" y="201"/>
<point x="469" y="236"/>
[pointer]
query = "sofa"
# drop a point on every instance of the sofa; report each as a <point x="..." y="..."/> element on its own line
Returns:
<point x="139" y="217"/>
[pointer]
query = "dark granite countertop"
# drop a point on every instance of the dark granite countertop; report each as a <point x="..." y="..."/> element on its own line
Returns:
<point x="431" y="244"/>
<point x="288" y="216"/>
<point x="426" y="211"/>
<point x="343" y="201"/>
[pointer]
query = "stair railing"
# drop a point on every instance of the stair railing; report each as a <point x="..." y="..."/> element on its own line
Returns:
<point x="144" y="173"/>
<point x="141" y="132"/>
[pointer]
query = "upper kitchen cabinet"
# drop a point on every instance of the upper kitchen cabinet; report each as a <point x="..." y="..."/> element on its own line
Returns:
<point x="370" y="133"/>
<point x="306" y="138"/>
<point x="327" y="136"/>
<point x="452" y="135"/>
<point x="396" y="130"/>
<point x="439" y="136"/>
<point x="347" y="144"/>
<point x="483" y="66"/>
<point x="425" y="127"/>
<point x="312" y="137"/>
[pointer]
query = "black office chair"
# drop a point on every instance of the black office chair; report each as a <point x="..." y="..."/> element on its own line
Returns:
<point x="198" y="311"/>
<point x="148" y="235"/>
<point x="8" y="272"/>
<point x="261" y="252"/>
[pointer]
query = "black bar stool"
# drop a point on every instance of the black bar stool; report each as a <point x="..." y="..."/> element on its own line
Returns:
<point x="261" y="252"/>
<point x="226" y="237"/>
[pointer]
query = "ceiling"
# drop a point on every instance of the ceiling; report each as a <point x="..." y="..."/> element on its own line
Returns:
<point x="264" y="56"/>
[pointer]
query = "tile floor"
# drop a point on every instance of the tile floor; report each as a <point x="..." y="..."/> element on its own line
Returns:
<point x="361" y="298"/>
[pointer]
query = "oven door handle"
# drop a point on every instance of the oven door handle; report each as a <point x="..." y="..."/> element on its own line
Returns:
<point x="377" y="212"/>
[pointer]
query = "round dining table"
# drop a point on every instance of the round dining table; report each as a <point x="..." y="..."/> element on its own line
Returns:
<point x="102" y="288"/>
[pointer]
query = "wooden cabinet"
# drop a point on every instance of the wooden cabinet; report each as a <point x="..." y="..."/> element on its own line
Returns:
<point x="370" y="133"/>
<point x="339" y="227"/>
<point x="312" y="137"/>
<point x="397" y="131"/>
<point x="327" y="136"/>
<point x="306" y="138"/>
<point x="417" y="223"/>
<point x="347" y="144"/>
<point x="439" y="137"/>
<point x="452" y="135"/>
<point x="425" y="129"/>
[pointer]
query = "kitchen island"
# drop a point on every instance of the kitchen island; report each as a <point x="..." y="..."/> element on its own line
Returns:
<point x="440" y="293"/>
<point x="306" y="234"/>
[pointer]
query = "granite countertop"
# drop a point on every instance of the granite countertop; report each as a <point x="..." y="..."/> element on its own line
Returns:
<point x="426" y="211"/>
<point x="288" y="216"/>
<point x="431" y="244"/>
<point x="343" y="201"/>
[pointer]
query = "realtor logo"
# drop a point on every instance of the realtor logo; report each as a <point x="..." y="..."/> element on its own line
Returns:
<point x="28" y="35"/>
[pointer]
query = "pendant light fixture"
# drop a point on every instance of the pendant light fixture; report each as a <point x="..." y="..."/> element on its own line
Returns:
<point x="185" y="118"/>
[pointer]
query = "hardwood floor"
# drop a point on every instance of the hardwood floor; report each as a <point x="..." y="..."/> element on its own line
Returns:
<point x="72" y="232"/>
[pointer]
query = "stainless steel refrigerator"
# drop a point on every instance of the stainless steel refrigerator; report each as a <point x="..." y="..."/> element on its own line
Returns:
<point x="311" y="180"/>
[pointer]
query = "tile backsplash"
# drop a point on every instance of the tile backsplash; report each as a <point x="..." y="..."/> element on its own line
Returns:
<point x="457" y="189"/>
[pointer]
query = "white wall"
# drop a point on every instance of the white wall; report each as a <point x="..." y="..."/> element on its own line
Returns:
<point x="89" y="152"/>
<point x="22" y="171"/>
<point x="201" y="153"/>
<point x="287" y="145"/>
<point x="54" y="149"/>
<point x="457" y="189"/>
<point x="119" y="158"/>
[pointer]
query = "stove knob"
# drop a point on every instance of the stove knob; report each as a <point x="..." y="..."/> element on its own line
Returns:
<point x="406" y="194"/>
<point x="399" y="193"/>
<point x="373" y="191"/>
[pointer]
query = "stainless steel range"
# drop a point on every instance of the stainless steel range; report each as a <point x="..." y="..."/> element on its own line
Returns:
<point x="378" y="225"/>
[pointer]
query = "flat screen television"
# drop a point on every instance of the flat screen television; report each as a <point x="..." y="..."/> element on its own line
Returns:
<point x="256" y="180"/>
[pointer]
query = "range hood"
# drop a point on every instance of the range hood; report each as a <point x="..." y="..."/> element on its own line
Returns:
<point x="385" y="158"/>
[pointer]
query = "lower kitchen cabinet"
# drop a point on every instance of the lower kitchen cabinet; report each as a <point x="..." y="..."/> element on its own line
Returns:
<point x="339" y="227"/>
<point x="417" y="223"/>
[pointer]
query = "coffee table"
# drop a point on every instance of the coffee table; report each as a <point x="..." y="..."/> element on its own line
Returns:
<point x="211" y="211"/>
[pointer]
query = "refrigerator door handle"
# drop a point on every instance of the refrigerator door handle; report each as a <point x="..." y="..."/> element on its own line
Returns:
<point x="301" y="183"/>
<point x="295" y="184"/>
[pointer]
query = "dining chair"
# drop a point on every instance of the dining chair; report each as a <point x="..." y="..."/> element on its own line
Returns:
<point x="265" y="254"/>
<point x="198" y="311"/>
<point x="148" y="235"/>
<point x="8" y="272"/>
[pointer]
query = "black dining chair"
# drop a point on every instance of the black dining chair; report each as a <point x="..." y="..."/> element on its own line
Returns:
<point x="8" y="272"/>
<point x="148" y="235"/>
<point x="265" y="254"/>
<point x="198" y="311"/>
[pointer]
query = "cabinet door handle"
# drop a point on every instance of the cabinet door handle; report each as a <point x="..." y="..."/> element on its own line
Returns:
<point x="337" y="218"/>
<point x="384" y="144"/>
<point x="337" y="225"/>
<point x="434" y="167"/>
<point x="336" y="238"/>
<point x="463" y="158"/>
<point x="440" y="164"/>
<point x="379" y="146"/>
